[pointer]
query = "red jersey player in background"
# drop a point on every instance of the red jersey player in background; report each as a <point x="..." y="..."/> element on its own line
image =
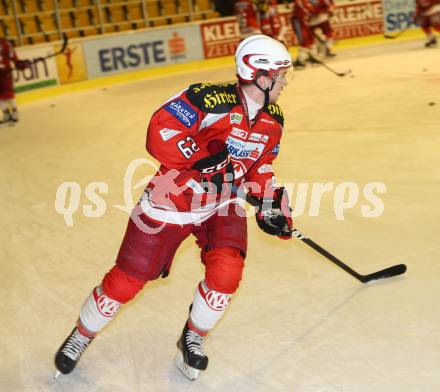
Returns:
<point x="303" y="33"/>
<point x="8" y="57"/>
<point x="319" y="22"/>
<point x="307" y="18"/>
<point x="248" y="17"/>
<point x="427" y="15"/>
<point x="207" y="138"/>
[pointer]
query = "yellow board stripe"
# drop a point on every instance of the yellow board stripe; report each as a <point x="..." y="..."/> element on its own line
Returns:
<point x="44" y="93"/>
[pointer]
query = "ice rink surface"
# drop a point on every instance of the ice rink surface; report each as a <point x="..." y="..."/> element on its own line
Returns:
<point x="298" y="323"/>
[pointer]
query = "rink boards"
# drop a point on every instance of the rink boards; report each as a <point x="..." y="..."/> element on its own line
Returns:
<point x="96" y="57"/>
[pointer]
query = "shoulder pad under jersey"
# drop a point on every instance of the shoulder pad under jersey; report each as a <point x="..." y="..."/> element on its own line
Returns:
<point x="213" y="98"/>
<point x="275" y="111"/>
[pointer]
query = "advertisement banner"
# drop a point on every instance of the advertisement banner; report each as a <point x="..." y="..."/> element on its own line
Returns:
<point x="357" y="19"/>
<point x="71" y="65"/>
<point x="139" y="50"/>
<point x="220" y="37"/>
<point x="42" y="72"/>
<point x="350" y="19"/>
<point x="398" y="15"/>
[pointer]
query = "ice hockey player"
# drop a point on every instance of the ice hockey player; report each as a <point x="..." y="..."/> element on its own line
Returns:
<point x="309" y="20"/>
<point x="248" y="17"/>
<point x="8" y="57"/>
<point x="427" y="15"/>
<point x="206" y="138"/>
<point x="319" y="22"/>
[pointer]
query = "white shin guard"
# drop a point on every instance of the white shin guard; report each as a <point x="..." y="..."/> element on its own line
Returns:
<point x="98" y="310"/>
<point x="208" y="307"/>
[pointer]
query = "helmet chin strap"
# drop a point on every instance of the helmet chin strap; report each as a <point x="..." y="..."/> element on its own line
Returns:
<point x="265" y="91"/>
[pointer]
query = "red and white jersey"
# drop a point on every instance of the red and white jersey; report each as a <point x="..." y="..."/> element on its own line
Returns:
<point x="248" y="17"/>
<point x="301" y="10"/>
<point x="320" y="10"/>
<point x="178" y="135"/>
<point x="427" y="7"/>
<point x="269" y="20"/>
<point x="7" y="55"/>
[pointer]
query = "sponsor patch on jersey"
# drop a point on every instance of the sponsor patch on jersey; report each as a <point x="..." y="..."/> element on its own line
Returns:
<point x="240" y="149"/>
<point x="258" y="137"/>
<point x="183" y="112"/>
<point x="276" y="149"/>
<point x="239" y="133"/>
<point x="265" y="169"/>
<point x="255" y="137"/>
<point x="265" y="120"/>
<point x="239" y="168"/>
<point x="235" y="118"/>
<point x="168" y="133"/>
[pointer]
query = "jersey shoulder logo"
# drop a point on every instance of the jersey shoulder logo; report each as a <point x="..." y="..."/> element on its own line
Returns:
<point x="275" y="112"/>
<point x="183" y="112"/>
<point x="213" y="98"/>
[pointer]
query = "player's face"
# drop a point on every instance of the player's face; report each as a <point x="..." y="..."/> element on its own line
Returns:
<point x="281" y="79"/>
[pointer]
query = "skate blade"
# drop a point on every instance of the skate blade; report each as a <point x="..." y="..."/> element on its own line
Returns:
<point x="56" y="374"/>
<point x="187" y="371"/>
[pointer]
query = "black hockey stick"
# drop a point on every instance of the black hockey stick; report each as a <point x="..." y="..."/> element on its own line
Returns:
<point x="320" y="62"/>
<point x="389" y="272"/>
<point x="62" y="50"/>
<point x="389" y="36"/>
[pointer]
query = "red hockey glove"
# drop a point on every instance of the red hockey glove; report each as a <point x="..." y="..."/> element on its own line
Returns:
<point x="216" y="169"/>
<point x="274" y="216"/>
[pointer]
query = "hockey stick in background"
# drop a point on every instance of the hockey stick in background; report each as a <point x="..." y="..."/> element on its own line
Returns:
<point x="62" y="50"/>
<point x="389" y="272"/>
<point x="320" y="62"/>
<point x="389" y="36"/>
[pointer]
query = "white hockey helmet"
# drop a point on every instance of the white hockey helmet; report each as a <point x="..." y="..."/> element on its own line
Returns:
<point x="260" y="53"/>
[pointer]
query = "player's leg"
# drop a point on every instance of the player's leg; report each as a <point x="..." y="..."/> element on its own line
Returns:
<point x="223" y="240"/>
<point x="305" y="42"/>
<point x="13" y="110"/>
<point x="142" y="257"/>
<point x="434" y="21"/>
<point x="6" y="94"/>
<point x="327" y="30"/>
<point x="425" y="25"/>
<point x="100" y="307"/>
<point x="6" y="116"/>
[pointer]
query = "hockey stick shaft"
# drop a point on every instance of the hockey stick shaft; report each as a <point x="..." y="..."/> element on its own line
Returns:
<point x="63" y="47"/>
<point x="322" y="63"/>
<point x="386" y="273"/>
<point x="62" y="50"/>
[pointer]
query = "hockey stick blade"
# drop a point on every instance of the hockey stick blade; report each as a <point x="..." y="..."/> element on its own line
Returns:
<point x="389" y="36"/>
<point x="389" y="272"/>
<point x="322" y="63"/>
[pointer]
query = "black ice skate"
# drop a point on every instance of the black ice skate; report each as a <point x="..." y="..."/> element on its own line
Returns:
<point x="299" y="65"/>
<point x="313" y="60"/>
<point x="431" y="42"/>
<point x="14" y="116"/>
<point x="7" y="118"/>
<point x="190" y="359"/>
<point x="329" y="53"/>
<point x="70" y="352"/>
